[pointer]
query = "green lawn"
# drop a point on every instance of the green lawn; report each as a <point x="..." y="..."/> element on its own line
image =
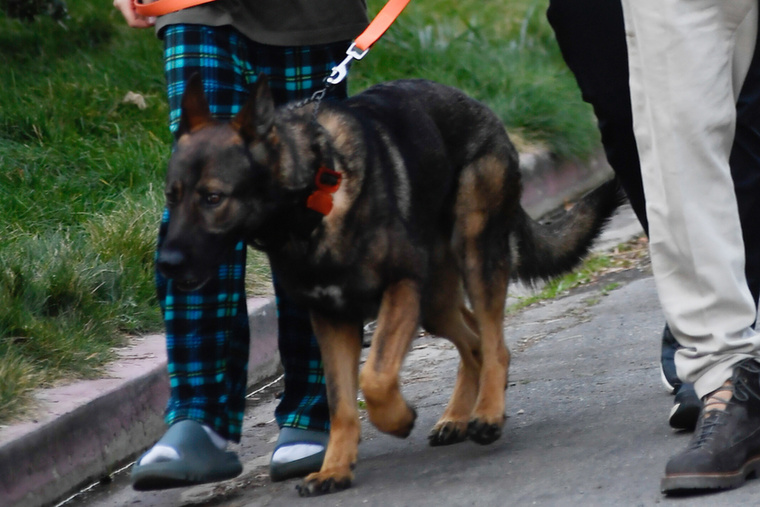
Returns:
<point x="82" y="170"/>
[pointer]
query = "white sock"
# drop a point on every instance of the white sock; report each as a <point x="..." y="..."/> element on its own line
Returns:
<point x="219" y="441"/>
<point x="161" y="452"/>
<point x="294" y="452"/>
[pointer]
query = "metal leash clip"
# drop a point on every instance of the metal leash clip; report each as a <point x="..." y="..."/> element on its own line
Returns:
<point x="340" y="71"/>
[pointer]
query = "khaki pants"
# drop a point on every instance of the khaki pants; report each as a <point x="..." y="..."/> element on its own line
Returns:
<point x="687" y="61"/>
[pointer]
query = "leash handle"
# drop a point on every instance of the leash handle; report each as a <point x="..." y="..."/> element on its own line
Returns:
<point x="367" y="38"/>
<point x="161" y="7"/>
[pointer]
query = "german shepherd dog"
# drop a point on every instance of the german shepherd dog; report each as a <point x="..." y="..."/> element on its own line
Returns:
<point x="402" y="202"/>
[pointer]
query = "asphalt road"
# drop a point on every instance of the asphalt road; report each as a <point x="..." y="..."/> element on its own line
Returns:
<point x="587" y="423"/>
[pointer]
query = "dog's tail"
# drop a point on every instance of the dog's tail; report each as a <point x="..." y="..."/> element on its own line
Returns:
<point x="548" y="249"/>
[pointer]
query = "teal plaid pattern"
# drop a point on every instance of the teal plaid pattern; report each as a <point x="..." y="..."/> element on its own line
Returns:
<point x="207" y="332"/>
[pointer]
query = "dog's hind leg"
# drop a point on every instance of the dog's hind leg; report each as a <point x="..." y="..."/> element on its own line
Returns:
<point x="446" y="315"/>
<point x="340" y="346"/>
<point x="397" y="324"/>
<point x="488" y="416"/>
<point x="480" y="244"/>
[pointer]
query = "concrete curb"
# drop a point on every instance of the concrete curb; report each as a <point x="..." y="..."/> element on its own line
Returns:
<point x="86" y="430"/>
<point x="548" y="183"/>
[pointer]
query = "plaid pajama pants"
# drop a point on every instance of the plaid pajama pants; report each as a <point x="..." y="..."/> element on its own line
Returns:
<point x="207" y="332"/>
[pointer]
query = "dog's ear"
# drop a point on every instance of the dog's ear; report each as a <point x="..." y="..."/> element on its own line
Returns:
<point x="255" y="120"/>
<point x="195" y="110"/>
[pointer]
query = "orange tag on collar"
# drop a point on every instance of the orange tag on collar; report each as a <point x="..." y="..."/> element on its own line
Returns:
<point x="327" y="182"/>
<point x="320" y="201"/>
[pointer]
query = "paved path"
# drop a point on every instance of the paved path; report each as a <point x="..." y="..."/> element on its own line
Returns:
<point x="79" y="432"/>
<point x="587" y="421"/>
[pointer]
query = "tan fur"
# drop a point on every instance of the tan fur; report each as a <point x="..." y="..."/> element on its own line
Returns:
<point x="340" y="345"/>
<point x="397" y="324"/>
<point x="423" y="231"/>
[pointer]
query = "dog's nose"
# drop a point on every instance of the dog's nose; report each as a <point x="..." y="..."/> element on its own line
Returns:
<point x="170" y="262"/>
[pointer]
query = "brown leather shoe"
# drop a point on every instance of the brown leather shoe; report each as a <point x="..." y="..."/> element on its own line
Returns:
<point x="725" y="448"/>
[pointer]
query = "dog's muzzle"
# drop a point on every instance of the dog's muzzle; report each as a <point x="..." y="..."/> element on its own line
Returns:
<point x="173" y="264"/>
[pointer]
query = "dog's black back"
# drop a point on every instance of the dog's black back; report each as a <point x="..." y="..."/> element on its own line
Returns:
<point x="404" y="150"/>
<point x="408" y="148"/>
<point x="421" y="221"/>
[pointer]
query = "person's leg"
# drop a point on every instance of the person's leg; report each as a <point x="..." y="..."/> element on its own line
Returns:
<point x="591" y="37"/>
<point x="683" y="87"/>
<point x="207" y="332"/>
<point x="695" y="236"/>
<point x="296" y="73"/>
<point x="745" y="169"/>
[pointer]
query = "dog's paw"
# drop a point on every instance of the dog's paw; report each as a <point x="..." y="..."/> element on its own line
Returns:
<point x="447" y="433"/>
<point x="398" y="422"/>
<point x="404" y="429"/>
<point x="321" y="483"/>
<point x="483" y="432"/>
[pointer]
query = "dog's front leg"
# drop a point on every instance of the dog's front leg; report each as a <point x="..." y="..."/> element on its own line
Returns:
<point x="397" y="325"/>
<point x="340" y="346"/>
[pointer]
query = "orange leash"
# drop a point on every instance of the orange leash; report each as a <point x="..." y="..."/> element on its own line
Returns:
<point x="380" y="24"/>
<point x="367" y="38"/>
<point x="161" y="7"/>
<point x="356" y="51"/>
<point x="374" y="31"/>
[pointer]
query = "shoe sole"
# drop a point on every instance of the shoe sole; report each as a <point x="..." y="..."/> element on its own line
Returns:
<point x="692" y="483"/>
<point x="152" y="478"/>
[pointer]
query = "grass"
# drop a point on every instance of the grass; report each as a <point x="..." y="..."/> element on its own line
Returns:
<point x="502" y="53"/>
<point x="82" y="170"/>
<point x="625" y="256"/>
<point x="79" y="195"/>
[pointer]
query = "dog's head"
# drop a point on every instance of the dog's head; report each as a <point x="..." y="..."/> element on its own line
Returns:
<point x="226" y="182"/>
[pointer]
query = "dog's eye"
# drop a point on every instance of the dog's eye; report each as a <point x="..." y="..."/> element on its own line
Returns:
<point x="212" y="199"/>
